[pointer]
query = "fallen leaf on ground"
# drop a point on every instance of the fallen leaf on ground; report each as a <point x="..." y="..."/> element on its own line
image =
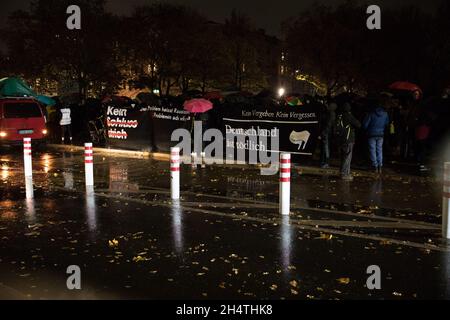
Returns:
<point x="343" y="280"/>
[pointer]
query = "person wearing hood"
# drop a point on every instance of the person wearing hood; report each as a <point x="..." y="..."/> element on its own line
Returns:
<point x="375" y="124"/>
<point x="346" y="124"/>
<point x="328" y="124"/>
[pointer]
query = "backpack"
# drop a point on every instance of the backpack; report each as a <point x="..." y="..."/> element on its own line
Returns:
<point x="342" y="130"/>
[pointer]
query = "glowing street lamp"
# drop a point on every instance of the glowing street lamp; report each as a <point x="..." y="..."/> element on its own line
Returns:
<point x="281" y="92"/>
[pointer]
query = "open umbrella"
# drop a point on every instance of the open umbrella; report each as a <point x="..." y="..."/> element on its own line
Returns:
<point x="294" y="101"/>
<point x="71" y="98"/>
<point x="148" y="98"/>
<point x="116" y="99"/>
<point x="197" y="105"/>
<point x="213" y="95"/>
<point x="46" y="100"/>
<point x="15" y="87"/>
<point x="405" y="86"/>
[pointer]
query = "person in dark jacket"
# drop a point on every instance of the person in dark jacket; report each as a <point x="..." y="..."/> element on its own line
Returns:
<point x="346" y="125"/>
<point x="375" y="125"/>
<point x="422" y="137"/>
<point x="326" y="132"/>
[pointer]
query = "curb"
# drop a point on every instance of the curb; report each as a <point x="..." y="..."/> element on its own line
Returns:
<point x="161" y="156"/>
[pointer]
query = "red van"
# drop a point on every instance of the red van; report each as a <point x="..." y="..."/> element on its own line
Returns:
<point x="20" y="118"/>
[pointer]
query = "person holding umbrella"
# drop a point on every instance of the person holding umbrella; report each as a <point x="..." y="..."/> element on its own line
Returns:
<point x="199" y="107"/>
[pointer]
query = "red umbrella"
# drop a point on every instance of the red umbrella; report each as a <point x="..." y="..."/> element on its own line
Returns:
<point x="404" y="85"/>
<point x="197" y="105"/>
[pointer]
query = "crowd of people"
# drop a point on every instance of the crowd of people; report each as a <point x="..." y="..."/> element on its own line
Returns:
<point x="404" y="127"/>
<point x="400" y="126"/>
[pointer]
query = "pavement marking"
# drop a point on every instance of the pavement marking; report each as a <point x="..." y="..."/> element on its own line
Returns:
<point x="9" y="293"/>
<point x="368" y="224"/>
<point x="278" y="221"/>
<point x="254" y="203"/>
<point x="294" y="206"/>
<point x="405" y="223"/>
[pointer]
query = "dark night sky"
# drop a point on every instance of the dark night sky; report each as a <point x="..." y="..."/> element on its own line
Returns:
<point x="267" y="14"/>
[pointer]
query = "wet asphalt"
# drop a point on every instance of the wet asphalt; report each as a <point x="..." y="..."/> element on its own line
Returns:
<point x="223" y="240"/>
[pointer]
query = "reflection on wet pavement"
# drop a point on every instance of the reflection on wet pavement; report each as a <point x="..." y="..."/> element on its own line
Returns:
<point x="224" y="239"/>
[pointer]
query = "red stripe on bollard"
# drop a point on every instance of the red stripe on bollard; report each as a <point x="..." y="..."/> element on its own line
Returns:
<point x="174" y="169"/>
<point x="285" y="179"/>
<point x="285" y="160"/>
<point x="285" y="170"/>
<point x="88" y="161"/>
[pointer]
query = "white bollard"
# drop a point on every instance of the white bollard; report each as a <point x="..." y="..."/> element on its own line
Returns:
<point x="285" y="183"/>
<point x="29" y="192"/>
<point x="194" y="160"/>
<point x="28" y="168"/>
<point x="446" y="202"/>
<point x="175" y="172"/>
<point x="27" y="157"/>
<point x="203" y="155"/>
<point x="89" y="165"/>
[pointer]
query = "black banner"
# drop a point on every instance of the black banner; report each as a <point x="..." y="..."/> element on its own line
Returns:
<point x="128" y="128"/>
<point x="165" y="120"/>
<point x="151" y="127"/>
<point x="296" y="127"/>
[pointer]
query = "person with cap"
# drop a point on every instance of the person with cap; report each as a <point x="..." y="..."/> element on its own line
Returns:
<point x="346" y="125"/>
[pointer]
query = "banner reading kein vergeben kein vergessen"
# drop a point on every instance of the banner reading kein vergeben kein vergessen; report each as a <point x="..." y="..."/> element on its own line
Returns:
<point x="297" y="129"/>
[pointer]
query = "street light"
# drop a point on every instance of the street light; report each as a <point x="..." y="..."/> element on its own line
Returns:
<point x="281" y="92"/>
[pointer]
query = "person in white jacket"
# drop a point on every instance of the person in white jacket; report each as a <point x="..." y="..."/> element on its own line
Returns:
<point x="66" y="124"/>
